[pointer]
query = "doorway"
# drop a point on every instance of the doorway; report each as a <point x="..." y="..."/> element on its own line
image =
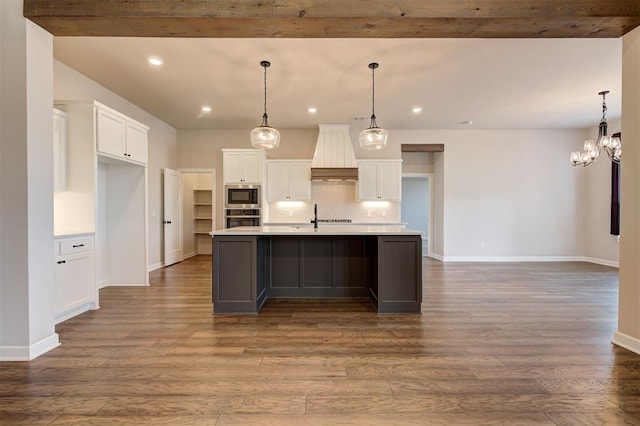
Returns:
<point x="198" y="210"/>
<point x="417" y="206"/>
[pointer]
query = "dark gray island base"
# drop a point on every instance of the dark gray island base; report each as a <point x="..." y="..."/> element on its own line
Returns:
<point x="249" y="268"/>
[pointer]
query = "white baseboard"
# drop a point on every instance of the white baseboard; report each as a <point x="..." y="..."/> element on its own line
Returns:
<point x="188" y="255"/>
<point x="513" y="259"/>
<point x="156" y="266"/>
<point x="602" y="262"/>
<point x="89" y="306"/>
<point x="27" y="353"/>
<point x="626" y="341"/>
<point x="102" y="284"/>
<point x="525" y="259"/>
<point x="128" y="285"/>
<point x="438" y="257"/>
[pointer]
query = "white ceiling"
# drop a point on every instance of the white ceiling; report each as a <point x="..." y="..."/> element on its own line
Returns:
<point x="496" y="83"/>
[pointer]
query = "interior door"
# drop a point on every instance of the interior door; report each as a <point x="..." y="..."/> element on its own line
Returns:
<point x="172" y="217"/>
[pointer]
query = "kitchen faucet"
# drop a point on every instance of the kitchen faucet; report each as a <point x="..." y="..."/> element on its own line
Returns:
<point x="315" y="216"/>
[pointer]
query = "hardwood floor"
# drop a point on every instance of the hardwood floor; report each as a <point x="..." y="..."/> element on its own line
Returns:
<point x="507" y="343"/>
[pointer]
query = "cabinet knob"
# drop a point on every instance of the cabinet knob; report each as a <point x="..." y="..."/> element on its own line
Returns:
<point x="166" y="222"/>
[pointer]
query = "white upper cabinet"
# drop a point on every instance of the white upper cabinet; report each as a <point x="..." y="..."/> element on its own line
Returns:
<point x="288" y="180"/>
<point x="59" y="150"/>
<point x="137" y="143"/>
<point x="379" y="180"/>
<point x="240" y="166"/>
<point x="119" y="136"/>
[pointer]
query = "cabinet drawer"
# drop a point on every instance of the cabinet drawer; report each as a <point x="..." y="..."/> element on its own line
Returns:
<point x="75" y="245"/>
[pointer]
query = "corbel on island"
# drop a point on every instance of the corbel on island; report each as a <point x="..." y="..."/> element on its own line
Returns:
<point x="381" y="263"/>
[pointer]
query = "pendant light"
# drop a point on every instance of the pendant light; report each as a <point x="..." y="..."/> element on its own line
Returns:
<point x="374" y="137"/>
<point x="265" y="136"/>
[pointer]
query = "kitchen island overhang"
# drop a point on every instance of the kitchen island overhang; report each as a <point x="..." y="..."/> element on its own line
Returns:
<point x="382" y="263"/>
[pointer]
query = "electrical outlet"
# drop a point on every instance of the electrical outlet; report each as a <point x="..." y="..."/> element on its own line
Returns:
<point x="384" y="213"/>
<point x="290" y="213"/>
<point x="369" y="213"/>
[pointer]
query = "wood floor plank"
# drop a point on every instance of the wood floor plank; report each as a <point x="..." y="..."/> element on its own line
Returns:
<point x="497" y="343"/>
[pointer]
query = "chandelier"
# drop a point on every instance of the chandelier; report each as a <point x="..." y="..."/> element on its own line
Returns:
<point x="265" y="136"/>
<point x="591" y="151"/>
<point x="374" y="137"/>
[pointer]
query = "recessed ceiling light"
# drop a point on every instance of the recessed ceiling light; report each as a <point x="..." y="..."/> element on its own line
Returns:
<point x="312" y="110"/>
<point x="467" y="122"/>
<point x="154" y="60"/>
<point x="416" y="110"/>
<point x="206" y="108"/>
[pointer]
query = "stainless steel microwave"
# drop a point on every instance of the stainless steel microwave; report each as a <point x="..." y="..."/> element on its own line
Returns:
<point x="242" y="196"/>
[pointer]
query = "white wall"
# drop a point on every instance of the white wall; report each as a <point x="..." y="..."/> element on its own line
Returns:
<point x="27" y="271"/>
<point x="499" y="194"/>
<point x="70" y="85"/>
<point x="508" y="193"/>
<point x="202" y="149"/>
<point x="601" y="246"/>
<point x="628" y="334"/>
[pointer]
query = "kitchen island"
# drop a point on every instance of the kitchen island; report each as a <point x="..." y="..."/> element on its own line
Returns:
<point x="382" y="263"/>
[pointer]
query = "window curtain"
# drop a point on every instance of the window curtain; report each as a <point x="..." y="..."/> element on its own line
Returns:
<point x="615" y="195"/>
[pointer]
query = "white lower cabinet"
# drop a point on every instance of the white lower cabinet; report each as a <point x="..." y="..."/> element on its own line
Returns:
<point x="75" y="283"/>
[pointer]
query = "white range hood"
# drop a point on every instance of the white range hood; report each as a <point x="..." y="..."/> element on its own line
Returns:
<point x="333" y="158"/>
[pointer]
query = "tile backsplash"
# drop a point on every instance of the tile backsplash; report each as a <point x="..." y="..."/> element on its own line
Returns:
<point x="336" y="200"/>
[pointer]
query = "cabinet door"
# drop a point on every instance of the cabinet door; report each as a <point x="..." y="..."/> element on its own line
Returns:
<point x="277" y="182"/>
<point x="252" y="162"/>
<point x="136" y="143"/>
<point x="73" y="282"/>
<point x="59" y="150"/>
<point x="299" y="182"/>
<point x="111" y="133"/>
<point x="389" y="181"/>
<point x="368" y="181"/>
<point x="232" y="167"/>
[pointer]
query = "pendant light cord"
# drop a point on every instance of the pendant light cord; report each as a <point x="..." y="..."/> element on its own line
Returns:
<point x="373" y="124"/>
<point x="265" y="117"/>
<point x="373" y="93"/>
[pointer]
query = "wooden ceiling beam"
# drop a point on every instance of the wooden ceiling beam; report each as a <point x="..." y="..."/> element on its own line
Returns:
<point x="336" y="18"/>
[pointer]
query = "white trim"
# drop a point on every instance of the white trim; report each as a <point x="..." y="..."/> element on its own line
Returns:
<point x="626" y="341"/>
<point x="438" y="257"/>
<point x="129" y="285"/>
<point x="525" y="259"/>
<point x="102" y="284"/>
<point x="429" y="177"/>
<point x="89" y="306"/>
<point x="513" y="259"/>
<point x="27" y="353"/>
<point x="605" y="262"/>
<point x="188" y="255"/>
<point x="156" y="266"/>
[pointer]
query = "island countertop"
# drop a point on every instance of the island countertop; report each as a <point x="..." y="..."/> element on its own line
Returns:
<point x="321" y="230"/>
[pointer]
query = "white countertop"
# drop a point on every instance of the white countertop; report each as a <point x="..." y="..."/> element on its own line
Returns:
<point x="322" y="230"/>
